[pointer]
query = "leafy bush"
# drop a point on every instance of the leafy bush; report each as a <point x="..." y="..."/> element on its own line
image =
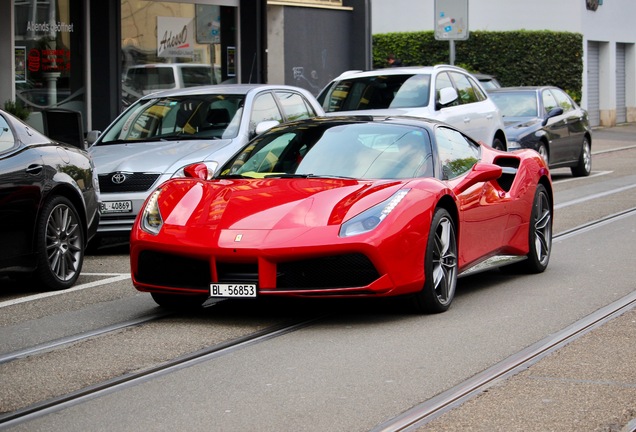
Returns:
<point x="515" y="57"/>
<point x="17" y="109"/>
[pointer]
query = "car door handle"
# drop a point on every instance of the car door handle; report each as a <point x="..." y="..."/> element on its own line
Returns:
<point x="489" y="116"/>
<point x="34" y="169"/>
<point x="466" y="119"/>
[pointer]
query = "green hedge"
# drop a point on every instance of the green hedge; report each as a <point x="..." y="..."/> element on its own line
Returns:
<point x="514" y="57"/>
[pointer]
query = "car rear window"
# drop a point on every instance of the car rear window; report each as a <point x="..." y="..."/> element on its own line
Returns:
<point x="378" y="92"/>
<point x="151" y="78"/>
<point x="196" y="76"/>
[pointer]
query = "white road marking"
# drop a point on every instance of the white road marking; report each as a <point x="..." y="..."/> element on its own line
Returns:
<point x="113" y="277"/>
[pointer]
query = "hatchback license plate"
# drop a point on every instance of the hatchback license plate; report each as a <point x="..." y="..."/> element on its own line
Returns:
<point x="115" y="207"/>
<point x="232" y="290"/>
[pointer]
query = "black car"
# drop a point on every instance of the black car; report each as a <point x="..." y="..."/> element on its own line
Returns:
<point x="48" y="206"/>
<point x="546" y="119"/>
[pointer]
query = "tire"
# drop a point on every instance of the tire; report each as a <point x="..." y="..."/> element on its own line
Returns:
<point x="440" y="266"/>
<point x="543" y="151"/>
<point x="584" y="167"/>
<point x="179" y="302"/>
<point x="498" y="144"/>
<point x="539" y="235"/>
<point x="60" y="245"/>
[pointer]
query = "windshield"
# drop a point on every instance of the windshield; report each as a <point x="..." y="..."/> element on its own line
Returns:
<point x="212" y="116"/>
<point x="517" y="104"/>
<point x="377" y="92"/>
<point x="352" y="150"/>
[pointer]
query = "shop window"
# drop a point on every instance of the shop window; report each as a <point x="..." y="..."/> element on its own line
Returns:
<point x="49" y="71"/>
<point x="167" y="45"/>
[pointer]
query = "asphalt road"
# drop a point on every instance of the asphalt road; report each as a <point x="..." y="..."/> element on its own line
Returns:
<point x="368" y="362"/>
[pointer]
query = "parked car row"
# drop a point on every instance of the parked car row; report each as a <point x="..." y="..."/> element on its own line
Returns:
<point x="246" y="190"/>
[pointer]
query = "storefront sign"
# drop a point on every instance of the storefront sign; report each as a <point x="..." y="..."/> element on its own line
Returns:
<point x="48" y="60"/>
<point x="175" y="37"/>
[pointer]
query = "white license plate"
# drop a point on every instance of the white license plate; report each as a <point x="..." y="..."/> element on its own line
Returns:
<point x="115" y="207"/>
<point x="232" y="290"/>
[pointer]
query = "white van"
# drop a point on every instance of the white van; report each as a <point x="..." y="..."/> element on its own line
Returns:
<point x="143" y="79"/>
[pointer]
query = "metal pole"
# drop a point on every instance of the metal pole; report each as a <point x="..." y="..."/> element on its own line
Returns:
<point x="452" y="51"/>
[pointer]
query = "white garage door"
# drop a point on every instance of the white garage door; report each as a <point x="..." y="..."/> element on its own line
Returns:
<point x="593" y="107"/>
<point x="621" y="111"/>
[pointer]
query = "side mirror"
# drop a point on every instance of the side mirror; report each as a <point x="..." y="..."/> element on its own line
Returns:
<point x="479" y="173"/>
<point x="91" y="137"/>
<point x="266" y="125"/>
<point x="553" y="113"/>
<point x="447" y="96"/>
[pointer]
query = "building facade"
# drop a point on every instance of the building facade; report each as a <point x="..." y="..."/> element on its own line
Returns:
<point x="609" y="38"/>
<point x="77" y="54"/>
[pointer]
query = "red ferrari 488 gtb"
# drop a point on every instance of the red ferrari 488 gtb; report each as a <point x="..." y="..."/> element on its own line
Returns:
<point x="345" y="207"/>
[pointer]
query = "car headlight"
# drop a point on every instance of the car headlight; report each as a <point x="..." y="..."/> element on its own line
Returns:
<point x="372" y="217"/>
<point x="151" y="220"/>
<point x="514" y="145"/>
<point x="212" y="166"/>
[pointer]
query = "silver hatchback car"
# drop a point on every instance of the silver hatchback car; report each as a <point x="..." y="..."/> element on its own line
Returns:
<point x="161" y="133"/>
<point x="445" y="93"/>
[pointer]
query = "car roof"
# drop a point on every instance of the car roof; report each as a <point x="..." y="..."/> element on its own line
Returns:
<point x="519" y="89"/>
<point x="238" y="89"/>
<point x="371" y="118"/>
<point x="398" y="71"/>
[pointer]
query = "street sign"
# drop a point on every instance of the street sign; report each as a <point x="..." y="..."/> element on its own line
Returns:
<point x="451" y="19"/>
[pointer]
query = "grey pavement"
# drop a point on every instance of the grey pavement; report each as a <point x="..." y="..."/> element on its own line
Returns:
<point x="587" y="385"/>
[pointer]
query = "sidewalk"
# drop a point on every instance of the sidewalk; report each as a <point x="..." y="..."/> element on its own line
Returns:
<point x="588" y="385"/>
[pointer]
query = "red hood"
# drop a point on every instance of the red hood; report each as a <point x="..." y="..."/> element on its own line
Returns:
<point x="265" y="204"/>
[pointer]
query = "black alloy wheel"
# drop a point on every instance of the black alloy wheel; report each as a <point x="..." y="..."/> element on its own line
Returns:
<point x="59" y="244"/>
<point x="440" y="266"/>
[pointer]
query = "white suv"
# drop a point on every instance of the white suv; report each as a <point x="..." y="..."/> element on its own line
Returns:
<point x="446" y="93"/>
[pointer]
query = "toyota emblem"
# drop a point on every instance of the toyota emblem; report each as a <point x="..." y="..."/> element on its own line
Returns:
<point x="118" y="178"/>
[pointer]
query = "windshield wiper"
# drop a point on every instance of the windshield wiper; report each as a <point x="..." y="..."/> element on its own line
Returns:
<point x="284" y="175"/>
<point x="292" y="176"/>
<point x="234" y="176"/>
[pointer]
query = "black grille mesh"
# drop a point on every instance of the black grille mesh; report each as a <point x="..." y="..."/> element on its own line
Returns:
<point x="177" y="271"/>
<point x="340" y="271"/>
<point x="133" y="182"/>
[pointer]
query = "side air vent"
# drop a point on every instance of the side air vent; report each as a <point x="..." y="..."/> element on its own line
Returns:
<point x="509" y="166"/>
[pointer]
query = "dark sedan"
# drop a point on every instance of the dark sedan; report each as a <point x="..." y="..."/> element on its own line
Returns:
<point x="48" y="206"/>
<point x="547" y="120"/>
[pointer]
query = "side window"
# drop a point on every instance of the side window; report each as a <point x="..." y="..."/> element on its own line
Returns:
<point x="465" y="89"/>
<point x="264" y="109"/>
<point x="7" y="140"/>
<point x="549" y="102"/>
<point x="294" y="106"/>
<point x="563" y="100"/>
<point x="457" y="153"/>
<point x="443" y="81"/>
<point x="478" y="93"/>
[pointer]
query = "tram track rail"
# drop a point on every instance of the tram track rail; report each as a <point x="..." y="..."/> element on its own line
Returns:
<point x="57" y="343"/>
<point x="57" y="403"/>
